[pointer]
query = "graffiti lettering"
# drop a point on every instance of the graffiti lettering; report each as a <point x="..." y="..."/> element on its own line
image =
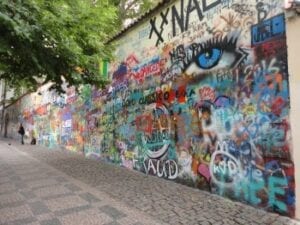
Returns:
<point x="167" y="169"/>
<point x="169" y="96"/>
<point x="154" y="29"/>
<point x="140" y="72"/>
<point x="180" y="17"/>
<point x="276" y="187"/>
<point x="242" y="9"/>
<point x="262" y="11"/>
<point x="157" y="138"/>
<point x="224" y="167"/>
<point x="268" y="29"/>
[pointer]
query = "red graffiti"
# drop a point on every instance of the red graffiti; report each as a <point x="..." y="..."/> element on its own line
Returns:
<point x="148" y="70"/>
<point x="278" y="105"/>
<point x="171" y="95"/>
<point x="144" y="123"/>
<point x="131" y="60"/>
<point x="42" y="110"/>
<point x="182" y="94"/>
<point x="159" y="98"/>
<point x="270" y="48"/>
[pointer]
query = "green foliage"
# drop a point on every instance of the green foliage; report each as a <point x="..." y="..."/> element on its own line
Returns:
<point x="55" y="41"/>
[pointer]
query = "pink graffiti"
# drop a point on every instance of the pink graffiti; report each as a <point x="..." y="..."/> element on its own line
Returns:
<point x="207" y="93"/>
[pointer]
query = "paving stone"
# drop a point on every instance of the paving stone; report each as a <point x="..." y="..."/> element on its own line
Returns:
<point x="15" y="213"/>
<point x="39" y="183"/>
<point x="32" y="176"/>
<point x="15" y="178"/>
<point x="54" y="196"/>
<point x="27" y="194"/>
<point x="87" y="217"/>
<point x="113" y="212"/>
<point x="72" y="187"/>
<point x="112" y="223"/>
<point x="12" y="204"/>
<point x="61" y="179"/>
<point x="44" y="217"/>
<point x="54" y="221"/>
<point x="4" y="179"/>
<point x="24" y="221"/>
<point x="20" y="185"/>
<point x="38" y="208"/>
<point x="10" y="198"/>
<point x="53" y="190"/>
<point x="205" y="223"/>
<point x="33" y="223"/>
<point x="89" y="197"/>
<point x="6" y="187"/>
<point x="71" y="210"/>
<point x="68" y="202"/>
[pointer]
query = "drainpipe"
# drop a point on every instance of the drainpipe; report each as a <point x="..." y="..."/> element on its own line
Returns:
<point x="3" y="106"/>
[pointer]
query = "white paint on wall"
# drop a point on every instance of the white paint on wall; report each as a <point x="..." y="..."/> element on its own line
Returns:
<point x="293" y="34"/>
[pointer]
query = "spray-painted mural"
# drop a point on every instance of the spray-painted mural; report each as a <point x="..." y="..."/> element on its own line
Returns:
<point x="199" y="94"/>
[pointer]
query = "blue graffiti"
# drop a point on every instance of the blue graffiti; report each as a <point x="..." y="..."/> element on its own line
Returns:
<point x="268" y="29"/>
<point x="209" y="58"/>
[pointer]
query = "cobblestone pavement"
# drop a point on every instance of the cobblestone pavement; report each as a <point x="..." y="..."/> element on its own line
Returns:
<point x="165" y="201"/>
<point x="34" y="193"/>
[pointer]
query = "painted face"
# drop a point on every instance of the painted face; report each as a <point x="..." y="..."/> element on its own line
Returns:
<point x="157" y="143"/>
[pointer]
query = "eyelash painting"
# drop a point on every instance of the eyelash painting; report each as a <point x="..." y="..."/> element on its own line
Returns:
<point x="216" y="53"/>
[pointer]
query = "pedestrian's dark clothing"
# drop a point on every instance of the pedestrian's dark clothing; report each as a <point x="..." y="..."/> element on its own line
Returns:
<point x="33" y="141"/>
<point x="22" y="132"/>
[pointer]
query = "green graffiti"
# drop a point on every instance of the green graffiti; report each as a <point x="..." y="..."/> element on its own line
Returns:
<point x="276" y="187"/>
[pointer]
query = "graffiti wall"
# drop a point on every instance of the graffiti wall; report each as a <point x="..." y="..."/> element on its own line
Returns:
<point x="199" y="95"/>
<point x="53" y="120"/>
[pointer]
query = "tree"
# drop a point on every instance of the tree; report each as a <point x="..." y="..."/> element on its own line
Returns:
<point x="54" y="41"/>
<point x="130" y="10"/>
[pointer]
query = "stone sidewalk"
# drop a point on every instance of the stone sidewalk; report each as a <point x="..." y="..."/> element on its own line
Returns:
<point x="33" y="193"/>
<point x="42" y="186"/>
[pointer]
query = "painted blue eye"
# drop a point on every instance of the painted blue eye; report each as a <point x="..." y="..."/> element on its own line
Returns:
<point x="209" y="58"/>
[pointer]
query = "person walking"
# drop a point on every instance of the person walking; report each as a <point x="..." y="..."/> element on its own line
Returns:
<point x="21" y="132"/>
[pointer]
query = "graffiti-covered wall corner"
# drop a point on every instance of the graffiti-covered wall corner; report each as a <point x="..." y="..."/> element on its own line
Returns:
<point x="201" y="95"/>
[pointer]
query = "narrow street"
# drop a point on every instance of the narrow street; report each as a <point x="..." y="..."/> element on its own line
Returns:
<point x="39" y="186"/>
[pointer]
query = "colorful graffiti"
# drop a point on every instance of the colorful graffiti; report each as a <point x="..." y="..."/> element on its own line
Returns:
<point x="202" y="97"/>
